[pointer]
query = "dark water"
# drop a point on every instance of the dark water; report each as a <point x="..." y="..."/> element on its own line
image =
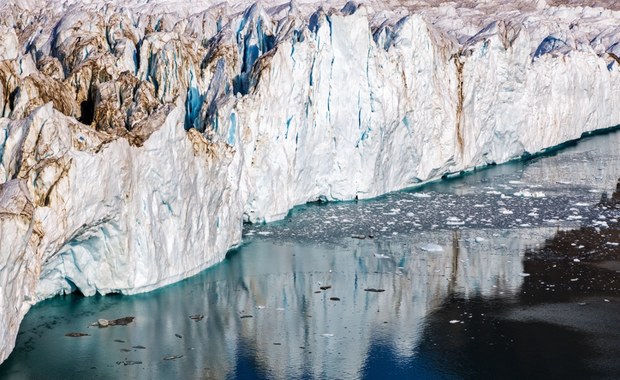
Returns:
<point x="511" y="272"/>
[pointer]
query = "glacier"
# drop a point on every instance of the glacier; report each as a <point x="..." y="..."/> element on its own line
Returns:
<point x="136" y="137"/>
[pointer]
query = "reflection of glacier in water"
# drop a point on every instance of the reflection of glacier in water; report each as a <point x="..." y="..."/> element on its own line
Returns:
<point x="266" y="316"/>
<point x="339" y="334"/>
<point x="295" y="328"/>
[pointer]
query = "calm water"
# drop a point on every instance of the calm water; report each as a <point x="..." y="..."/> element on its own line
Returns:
<point x="510" y="272"/>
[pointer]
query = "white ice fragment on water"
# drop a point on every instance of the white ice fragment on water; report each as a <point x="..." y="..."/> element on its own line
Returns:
<point x="454" y="221"/>
<point x="421" y="195"/>
<point x="505" y="211"/>
<point x="479" y="239"/>
<point x="606" y="300"/>
<point x="576" y="260"/>
<point x="526" y="193"/>
<point x="574" y="217"/>
<point x="431" y="247"/>
<point x="516" y="182"/>
<point x="327" y="335"/>
<point x="410" y="214"/>
<point x="260" y="306"/>
<point x="612" y="243"/>
<point x="523" y="274"/>
<point x="454" y="321"/>
<point x="494" y="192"/>
<point x="581" y="204"/>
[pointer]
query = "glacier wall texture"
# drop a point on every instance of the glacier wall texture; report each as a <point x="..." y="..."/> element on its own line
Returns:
<point x="136" y="138"/>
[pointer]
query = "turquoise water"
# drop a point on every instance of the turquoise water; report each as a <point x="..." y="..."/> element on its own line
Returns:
<point x="474" y="277"/>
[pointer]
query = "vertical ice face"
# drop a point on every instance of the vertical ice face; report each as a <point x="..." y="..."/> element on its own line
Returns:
<point x="135" y="138"/>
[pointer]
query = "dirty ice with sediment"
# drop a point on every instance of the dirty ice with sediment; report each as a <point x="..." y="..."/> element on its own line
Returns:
<point x="136" y="137"/>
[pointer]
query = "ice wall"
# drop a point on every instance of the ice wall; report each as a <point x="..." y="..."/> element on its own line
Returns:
<point x="135" y="137"/>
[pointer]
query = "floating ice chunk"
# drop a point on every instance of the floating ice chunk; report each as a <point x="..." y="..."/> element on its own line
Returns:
<point x="530" y="194"/>
<point x="454" y="221"/>
<point x="431" y="247"/>
<point x="505" y="211"/>
<point x="421" y="195"/>
<point x="494" y="192"/>
<point x="327" y="335"/>
<point x="479" y="239"/>
<point x="576" y="260"/>
<point x="612" y="243"/>
<point x="454" y="321"/>
<point x="523" y="274"/>
<point x="581" y="204"/>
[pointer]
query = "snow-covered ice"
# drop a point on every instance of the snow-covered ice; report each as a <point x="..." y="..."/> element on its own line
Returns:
<point x="136" y="136"/>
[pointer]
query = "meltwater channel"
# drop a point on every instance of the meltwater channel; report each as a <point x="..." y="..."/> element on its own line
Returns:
<point x="507" y="272"/>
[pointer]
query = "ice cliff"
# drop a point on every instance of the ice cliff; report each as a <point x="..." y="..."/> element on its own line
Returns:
<point x="137" y="136"/>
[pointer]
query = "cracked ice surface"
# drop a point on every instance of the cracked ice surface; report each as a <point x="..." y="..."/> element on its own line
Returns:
<point x="135" y="136"/>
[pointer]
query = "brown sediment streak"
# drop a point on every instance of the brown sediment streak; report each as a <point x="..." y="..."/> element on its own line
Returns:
<point x="460" y="100"/>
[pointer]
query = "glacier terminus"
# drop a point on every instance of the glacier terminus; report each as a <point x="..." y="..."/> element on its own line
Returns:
<point x="137" y="136"/>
